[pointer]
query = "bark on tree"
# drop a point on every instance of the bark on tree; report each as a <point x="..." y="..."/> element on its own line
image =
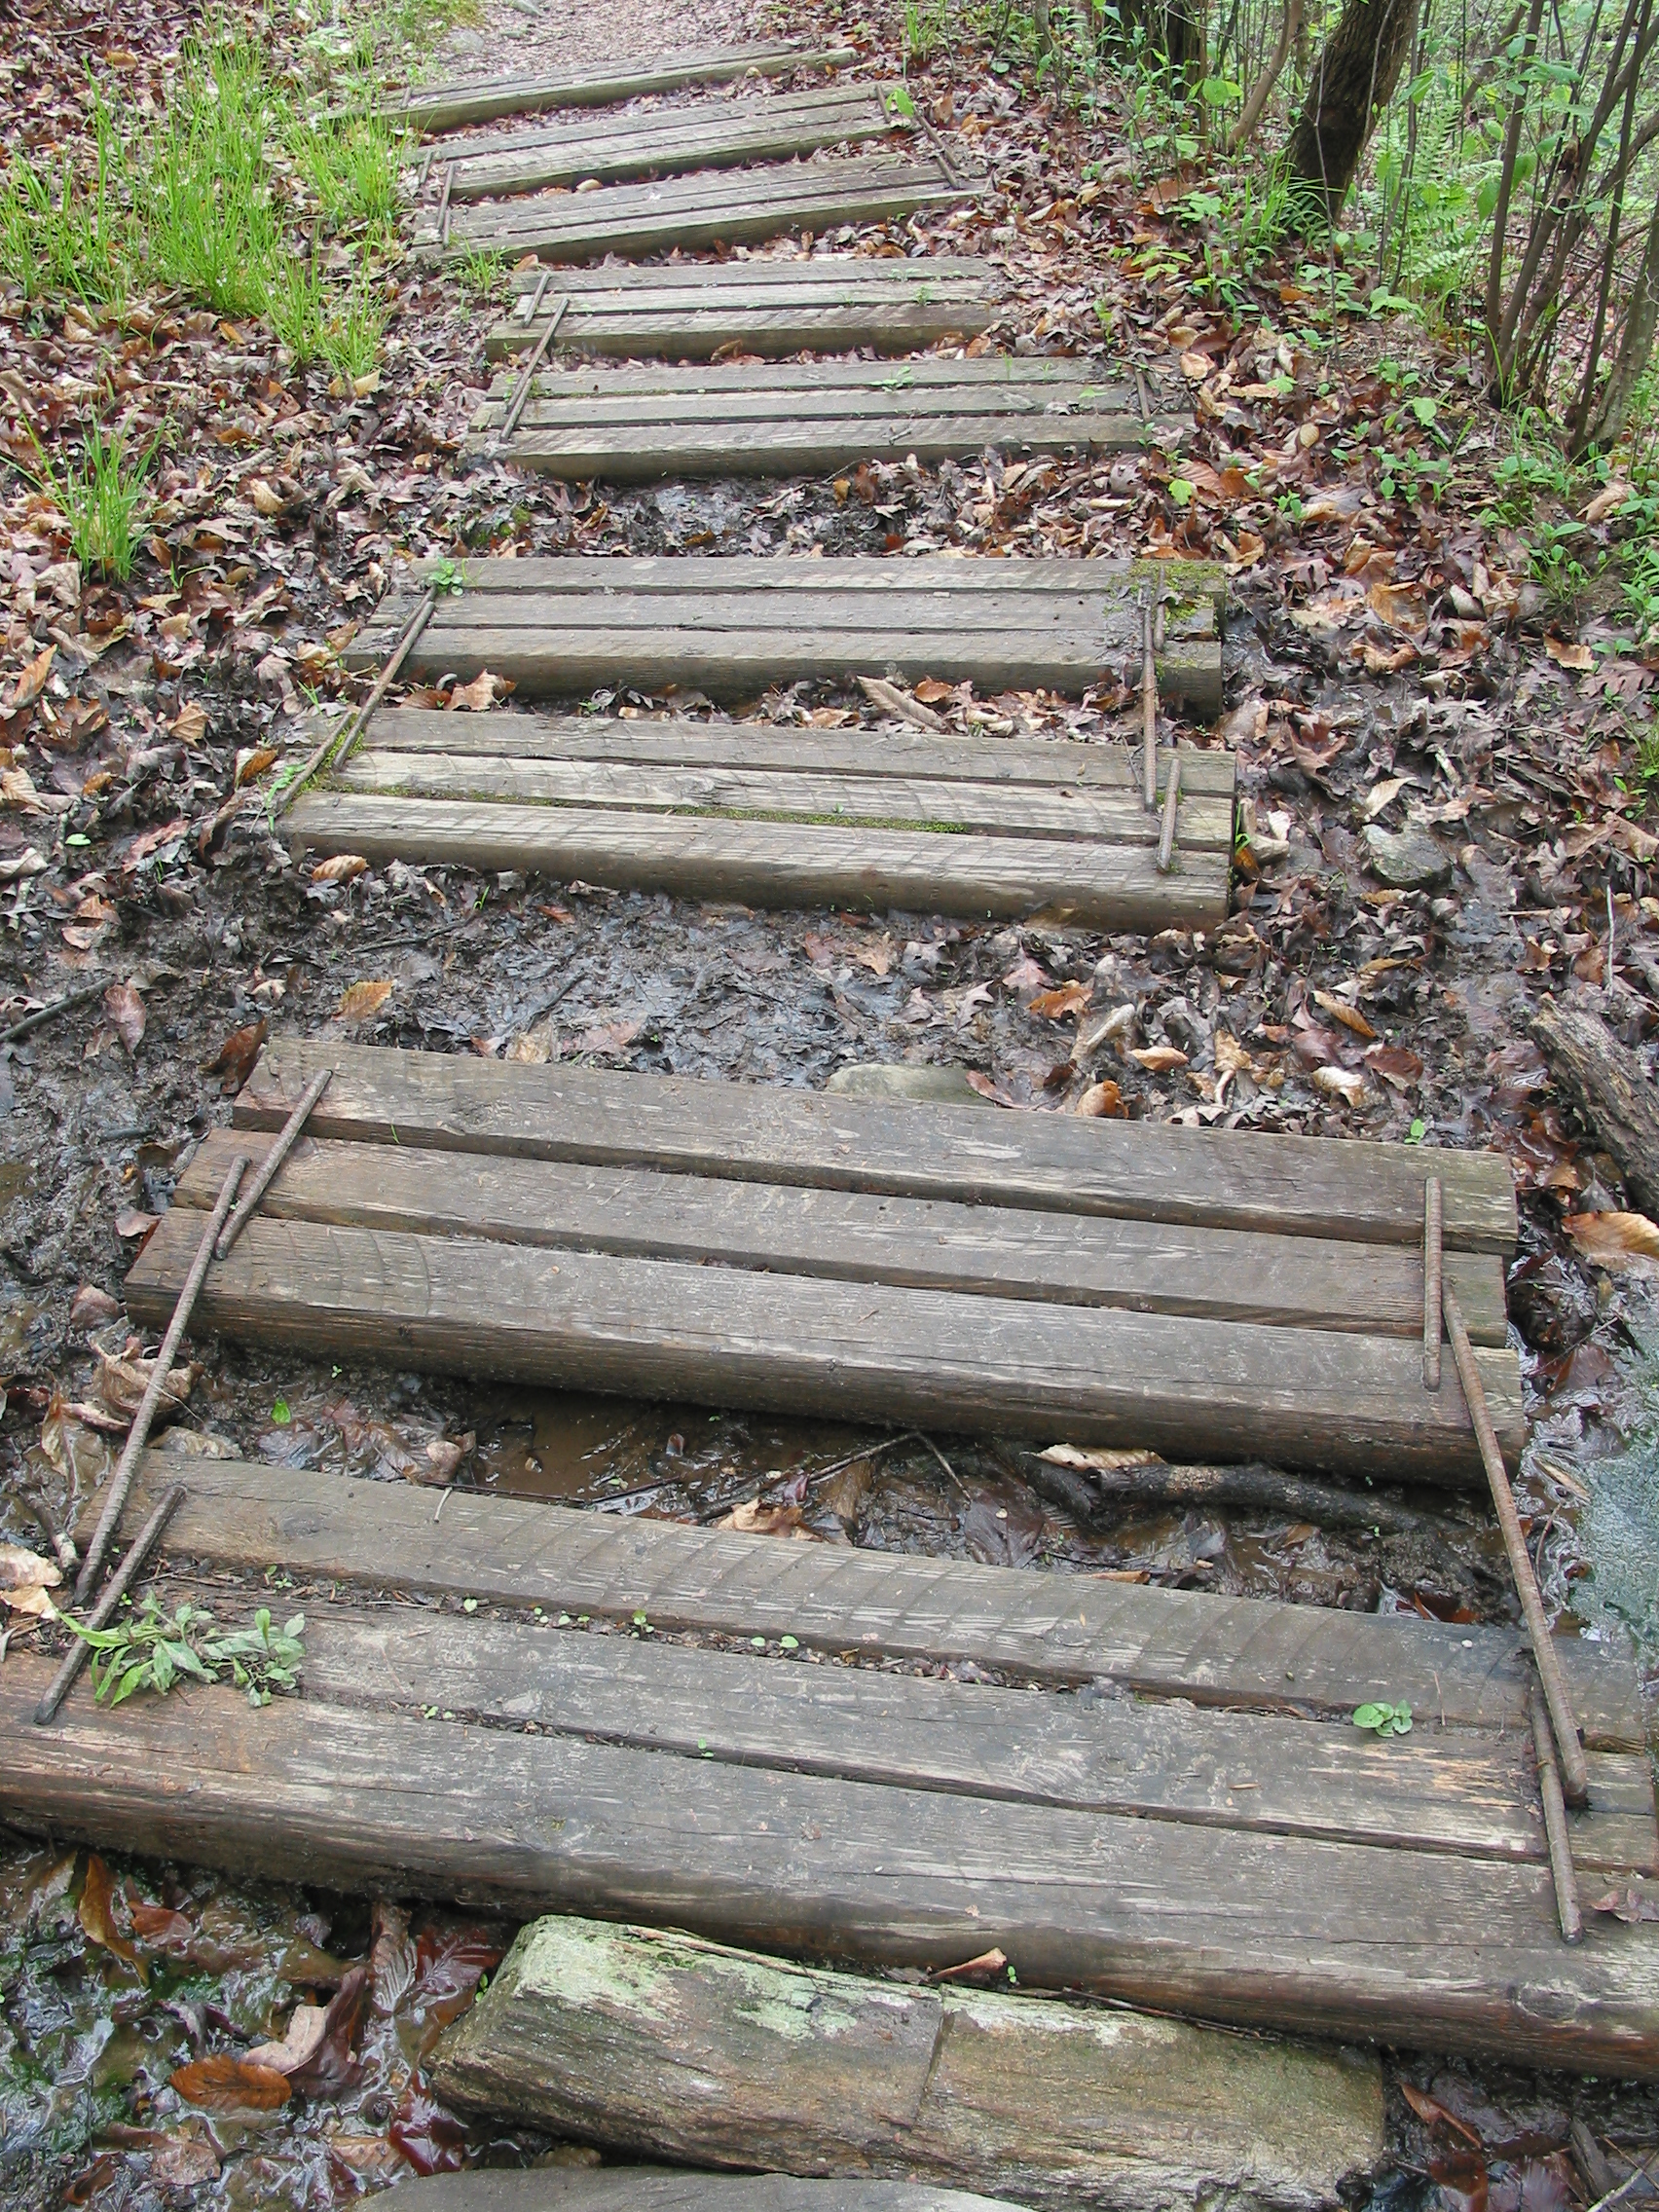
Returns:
<point x="1610" y="1088"/>
<point x="1353" y="81"/>
<point x="1255" y="107"/>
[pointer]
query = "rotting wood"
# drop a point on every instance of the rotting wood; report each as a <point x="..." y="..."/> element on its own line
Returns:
<point x="1361" y="1191"/>
<point x="1117" y="1907"/>
<point x="667" y="141"/>
<point x="1612" y="1089"/>
<point x="735" y="625"/>
<point x="444" y="106"/>
<point x="693" y="213"/>
<point x="831" y="303"/>
<point x="690" y="2052"/>
<point x="1096" y="1486"/>
<point x="1050" y="1628"/>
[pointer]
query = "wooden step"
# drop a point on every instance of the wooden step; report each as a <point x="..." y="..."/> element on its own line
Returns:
<point x="633" y="425"/>
<point x="447" y="104"/>
<point x="711" y="207"/>
<point x="819" y="1288"/>
<point x="740" y="816"/>
<point x="771" y="1792"/>
<point x="732" y="626"/>
<point x="667" y="141"/>
<point x="691" y="311"/>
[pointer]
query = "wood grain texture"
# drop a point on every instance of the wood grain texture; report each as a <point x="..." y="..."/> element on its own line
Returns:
<point x="851" y="1351"/>
<point x="894" y="751"/>
<point x="445" y="105"/>
<point x="692" y="213"/>
<point x="658" y="2188"/>
<point x="1369" y="1194"/>
<point x="1279" y="1931"/>
<point x="768" y="863"/>
<point x="661" y="2045"/>
<point x="702" y="135"/>
<point x="993" y="1251"/>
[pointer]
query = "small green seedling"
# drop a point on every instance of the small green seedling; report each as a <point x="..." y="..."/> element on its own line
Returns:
<point x="150" y="1652"/>
<point x="1382" y="1718"/>
<point x="446" y="578"/>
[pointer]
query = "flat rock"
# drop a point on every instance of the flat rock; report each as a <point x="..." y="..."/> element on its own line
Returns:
<point x="1407" y="860"/>
<point x="906" y="1085"/>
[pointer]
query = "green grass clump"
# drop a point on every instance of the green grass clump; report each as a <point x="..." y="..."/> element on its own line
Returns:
<point x="104" y="498"/>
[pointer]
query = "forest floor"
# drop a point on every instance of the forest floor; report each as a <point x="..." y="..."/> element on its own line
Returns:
<point x="1404" y="656"/>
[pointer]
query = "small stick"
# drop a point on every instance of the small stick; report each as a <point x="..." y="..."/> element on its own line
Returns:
<point x="526" y="375"/>
<point x="530" y="303"/>
<point x="1149" y="709"/>
<point x="900" y="703"/>
<point x="138" y="1434"/>
<point x="1142" y="401"/>
<point x="1171" y="800"/>
<point x="426" y="168"/>
<point x="1575" y="1777"/>
<point x="45" y="1013"/>
<point x="1433" y="1235"/>
<point x="247" y="1204"/>
<point x="63" y="1681"/>
<point x="1555" y="1824"/>
<point x="340" y="742"/>
<point x="1608" y="979"/>
<point x="444" y="205"/>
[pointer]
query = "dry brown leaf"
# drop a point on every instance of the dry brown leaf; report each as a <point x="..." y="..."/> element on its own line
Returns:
<point x="1608" y="501"/>
<point x="24" y="1569"/>
<point x="96" y="1908"/>
<point x="252" y="760"/>
<point x="752" y="1519"/>
<point x="1630" y="1904"/>
<point x="123" y="1383"/>
<point x="126" y="1011"/>
<point x="339" y="867"/>
<point x="1158" y="1059"/>
<point x="1401" y="606"/>
<point x="1102" y="1101"/>
<point x="481" y="694"/>
<point x="877" y="957"/>
<point x="32" y="682"/>
<point x="264" y="497"/>
<point x="1623" y="1243"/>
<point x="1061" y="1004"/>
<point x="1346" y="1084"/>
<point x="1579" y="658"/>
<point x="234" y="1059"/>
<point x="17" y="788"/>
<point x="190" y="726"/>
<point x="182" y="2160"/>
<point x="223" y="2084"/>
<point x="362" y="1000"/>
<point x="535" y="1048"/>
<point x="1350" y="1016"/>
<point x="299" y="2042"/>
<point x="931" y="691"/>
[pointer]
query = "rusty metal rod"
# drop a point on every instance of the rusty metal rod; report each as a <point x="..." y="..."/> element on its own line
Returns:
<point x="1149" y="709"/>
<point x="338" y="743"/>
<point x="1433" y="1241"/>
<point x="75" y="1658"/>
<point x="1562" y="1869"/>
<point x="267" y="1172"/>
<point x="1575" y="1777"/>
<point x="444" y="205"/>
<point x="1171" y="800"/>
<point x="526" y="375"/>
<point x="138" y="1434"/>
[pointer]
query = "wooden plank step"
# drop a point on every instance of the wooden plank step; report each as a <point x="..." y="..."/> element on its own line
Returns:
<point x="1363" y="1192"/>
<point x="446" y="105"/>
<point x="838" y="1318"/>
<point x="1047" y="1628"/>
<point x="731" y="626"/>
<point x="705" y="134"/>
<point x="825" y="303"/>
<point x="636" y="425"/>
<point x="858" y="1236"/>
<point x="693" y="213"/>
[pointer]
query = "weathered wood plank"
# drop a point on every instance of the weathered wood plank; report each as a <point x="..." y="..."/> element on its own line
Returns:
<point x="1042" y="381"/>
<point x="692" y="310"/>
<point x="1369" y="1193"/>
<point x="444" y="106"/>
<point x="767" y="863"/>
<point x="657" y="2043"/>
<point x="991" y="1251"/>
<point x="1463" y="1791"/>
<point x="666" y="141"/>
<point x="1122" y="1907"/>
<point x="862" y="1352"/>
<point x="895" y="750"/>
<point x="947" y="805"/>
<point x="1053" y="1628"/>
<point x="708" y="209"/>
<point x="658" y="2188"/>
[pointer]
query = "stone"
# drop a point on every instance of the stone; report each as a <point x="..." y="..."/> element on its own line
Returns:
<point x="1407" y="860"/>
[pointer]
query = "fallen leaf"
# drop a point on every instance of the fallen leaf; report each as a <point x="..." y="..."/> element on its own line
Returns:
<point x="182" y="2160"/>
<point x="123" y="1383"/>
<point x="339" y="867"/>
<point x="159" y="1924"/>
<point x="1623" y="1243"/>
<point x="1346" y="1084"/>
<point x="988" y="1962"/>
<point x="1433" y="2113"/>
<point x="535" y="1048"/>
<point x="132" y="1220"/>
<point x="24" y="1569"/>
<point x="1579" y="658"/>
<point x="32" y="682"/>
<point x="1158" y="1059"/>
<point x="876" y="957"/>
<point x="1402" y="606"/>
<point x="92" y="1306"/>
<point x="95" y="1912"/>
<point x="223" y="2084"/>
<point x="190" y="726"/>
<point x="1608" y="501"/>
<point x="1396" y="1064"/>
<point x="1102" y="1101"/>
<point x="362" y="1000"/>
<point x="988" y="1089"/>
<point x="752" y="1519"/>
<point x="1630" y="1905"/>
<point x="931" y="691"/>
<point x="1057" y="1006"/>
<point x="481" y="694"/>
<point x="265" y="499"/>
<point x="1463" y="2179"/>
<point x="252" y="760"/>
<point x="1350" y="1016"/>
<point x="331" y="2066"/>
<point x="234" y="1059"/>
<point x="125" y="1010"/>
<point x="300" y="2041"/>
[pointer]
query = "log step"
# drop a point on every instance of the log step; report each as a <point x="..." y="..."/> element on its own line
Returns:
<point x="445" y="105"/>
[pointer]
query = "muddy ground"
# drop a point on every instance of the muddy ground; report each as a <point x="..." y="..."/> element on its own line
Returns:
<point x="1391" y="658"/>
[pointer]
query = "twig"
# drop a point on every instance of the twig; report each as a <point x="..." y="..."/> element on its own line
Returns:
<point x="115" y="1590"/>
<point x="1433" y="1236"/>
<point x="526" y="375"/>
<point x="1171" y="800"/>
<point x="138" y="1434"/>
<point x="1575" y="1778"/>
<point x="338" y="743"/>
<point x="1608" y="979"/>
<point x="272" y="1163"/>
<point x="1641" y="2173"/>
<point x="942" y="1461"/>
<point x="45" y="1013"/>
<point x="1562" y="1869"/>
<point x="900" y="703"/>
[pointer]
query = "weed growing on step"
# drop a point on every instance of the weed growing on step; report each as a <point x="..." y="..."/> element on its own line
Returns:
<point x="146" y="1649"/>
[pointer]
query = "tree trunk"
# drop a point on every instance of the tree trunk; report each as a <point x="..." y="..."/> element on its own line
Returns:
<point x="1353" y="81"/>
<point x="1610" y="1088"/>
<point x="1290" y="26"/>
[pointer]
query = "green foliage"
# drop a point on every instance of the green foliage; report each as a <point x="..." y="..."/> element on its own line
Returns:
<point x="67" y="235"/>
<point x="147" y="1650"/>
<point x="103" y="498"/>
<point x="446" y="579"/>
<point x="1384" y="1718"/>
